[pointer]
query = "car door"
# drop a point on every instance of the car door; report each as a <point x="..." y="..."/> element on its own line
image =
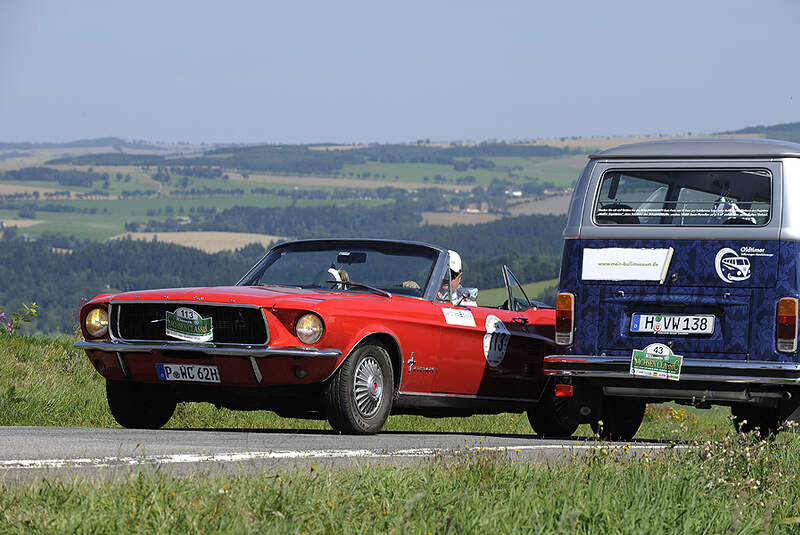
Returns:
<point x="492" y="352"/>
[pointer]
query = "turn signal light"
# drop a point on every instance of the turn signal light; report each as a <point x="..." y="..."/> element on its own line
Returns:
<point x="565" y="314"/>
<point x="787" y="325"/>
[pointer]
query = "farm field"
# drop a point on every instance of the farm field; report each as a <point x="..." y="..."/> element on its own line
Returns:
<point x="210" y="242"/>
<point x="496" y="296"/>
<point x="449" y="219"/>
<point x="109" y="216"/>
<point x="556" y="205"/>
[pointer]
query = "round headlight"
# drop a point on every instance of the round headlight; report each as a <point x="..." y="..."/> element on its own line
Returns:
<point x="309" y="328"/>
<point x="96" y="322"/>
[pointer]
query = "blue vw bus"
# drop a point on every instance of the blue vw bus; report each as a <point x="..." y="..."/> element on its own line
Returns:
<point x="679" y="282"/>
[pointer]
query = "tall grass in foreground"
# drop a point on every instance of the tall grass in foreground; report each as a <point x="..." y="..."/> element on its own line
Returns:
<point x="736" y="485"/>
<point x="721" y="483"/>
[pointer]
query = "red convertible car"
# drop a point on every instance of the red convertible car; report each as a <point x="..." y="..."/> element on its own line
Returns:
<point x="345" y="329"/>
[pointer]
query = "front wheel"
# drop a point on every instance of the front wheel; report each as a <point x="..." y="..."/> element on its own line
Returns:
<point x="765" y="421"/>
<point x="358" y="398"/>
<point x="621" y="418"/>
<point x="139" y="405"/>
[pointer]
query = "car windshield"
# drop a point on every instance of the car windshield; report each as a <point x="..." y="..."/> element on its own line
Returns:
<point x="396" y="268"/>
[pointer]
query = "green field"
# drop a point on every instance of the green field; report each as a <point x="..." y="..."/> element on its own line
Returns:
<point x="112" y="215"/>
<point x="495" y="296"/>
<point x="716" y="482"/>
<point x="560" y="171"/>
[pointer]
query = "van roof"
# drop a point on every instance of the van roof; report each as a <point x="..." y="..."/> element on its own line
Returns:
<point x="722" y="147"/>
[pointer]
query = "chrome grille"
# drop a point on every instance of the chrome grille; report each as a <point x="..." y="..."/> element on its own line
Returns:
<point x="147" y="321"/>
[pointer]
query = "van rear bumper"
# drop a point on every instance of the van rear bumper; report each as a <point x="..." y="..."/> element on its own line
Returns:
<point x="717" y="371"/>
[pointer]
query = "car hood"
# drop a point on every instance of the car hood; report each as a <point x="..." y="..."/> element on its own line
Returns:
<point x="264" y="296"/>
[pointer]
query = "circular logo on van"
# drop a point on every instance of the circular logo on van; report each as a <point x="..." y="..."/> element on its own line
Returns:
<point x="731" y="267"/>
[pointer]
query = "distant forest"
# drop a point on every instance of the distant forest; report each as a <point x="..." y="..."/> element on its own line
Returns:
<point x="305" y="159"/>
<point x="70" y="177"/>
<point x="113" y="142"/>
<point x="784" y="131"/>
<point x="40" y="271"/>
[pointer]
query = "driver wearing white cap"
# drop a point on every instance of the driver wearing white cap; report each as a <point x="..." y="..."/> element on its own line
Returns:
<point x="459" y="295"/>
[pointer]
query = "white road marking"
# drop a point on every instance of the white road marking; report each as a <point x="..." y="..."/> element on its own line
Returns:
<point x="99" y="462"/>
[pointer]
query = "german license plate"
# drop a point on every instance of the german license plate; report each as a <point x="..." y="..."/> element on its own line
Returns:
<point x="197" y="373"/>
<point x="672" y="324"/>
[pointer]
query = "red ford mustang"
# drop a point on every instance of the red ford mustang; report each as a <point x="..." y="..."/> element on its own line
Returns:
<point x="345" y="329"/>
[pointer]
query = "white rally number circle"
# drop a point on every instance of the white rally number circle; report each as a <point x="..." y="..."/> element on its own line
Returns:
<point x="495" y="341"/>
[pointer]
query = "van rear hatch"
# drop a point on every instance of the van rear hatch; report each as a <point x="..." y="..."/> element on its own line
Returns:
<point x="694" y="281"/>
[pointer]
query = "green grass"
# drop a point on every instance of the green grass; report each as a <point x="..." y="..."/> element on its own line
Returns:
<point x="722" y="483"/>
<point x="735" y="486"/>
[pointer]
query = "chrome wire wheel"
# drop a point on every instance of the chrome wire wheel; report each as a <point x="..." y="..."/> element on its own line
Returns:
<point x="368" y="386"/>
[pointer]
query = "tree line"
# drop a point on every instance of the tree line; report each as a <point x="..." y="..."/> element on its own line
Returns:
<point x="71" y="177"/>
<point x="309" y="159"/>
<point x="37" y="271"/>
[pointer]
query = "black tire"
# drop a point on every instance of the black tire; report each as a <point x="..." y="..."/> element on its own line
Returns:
<point x="553" y="417"/>
<point x="765" y="421"/>
<point x="621" y="418"/>
<point x="358" y="398"/>
<point x="139" y="405"/>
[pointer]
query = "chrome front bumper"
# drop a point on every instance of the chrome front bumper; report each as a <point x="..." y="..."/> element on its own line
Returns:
<point x="717" y="371"/>
<point x="210" y="349"/>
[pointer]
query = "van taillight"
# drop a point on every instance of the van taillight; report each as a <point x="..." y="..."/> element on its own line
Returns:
<point x="787" y="325"/>
<point x="565" y="313"/>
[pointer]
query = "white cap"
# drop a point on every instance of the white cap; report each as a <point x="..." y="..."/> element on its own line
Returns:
<point x="455" y="261"/>
<point x="335" y="274"/>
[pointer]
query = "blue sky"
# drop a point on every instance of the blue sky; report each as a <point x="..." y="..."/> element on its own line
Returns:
<point x="372" y="71"/>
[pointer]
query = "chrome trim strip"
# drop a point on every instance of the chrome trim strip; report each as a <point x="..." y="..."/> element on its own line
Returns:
<point x="734" y="379"/>
<point x="751" y="365"/>
<point x="122" y="365"/>
<point x="467" y="396"/>
<point x="256" y="371"/>
<point x="692" y="370"/>
<point x="226" y="350"/>
<point x="177" y="302"/>
<point x="698" y="395"/>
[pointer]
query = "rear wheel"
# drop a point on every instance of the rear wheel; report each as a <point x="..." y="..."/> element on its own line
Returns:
<point x="621" y="418"/>
<point x="765" y="421"/>
<point x="358" y="398"/>
<point x="139" y="405"/>
<point x="552" y="417"/>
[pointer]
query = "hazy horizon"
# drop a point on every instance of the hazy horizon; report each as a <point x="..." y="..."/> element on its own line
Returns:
<point x="360" y="72"/>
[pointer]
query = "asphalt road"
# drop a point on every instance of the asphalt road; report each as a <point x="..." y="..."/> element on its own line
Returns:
<point x="35" y="452"/>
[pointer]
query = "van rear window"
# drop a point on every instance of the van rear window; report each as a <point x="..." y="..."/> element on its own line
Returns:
<point x="684" y="197"/>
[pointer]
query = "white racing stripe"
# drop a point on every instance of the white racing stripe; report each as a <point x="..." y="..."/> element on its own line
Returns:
<point x="183" y="458"/>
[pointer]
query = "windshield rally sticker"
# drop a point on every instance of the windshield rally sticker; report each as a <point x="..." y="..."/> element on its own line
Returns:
<point x="658" y="361"/>
<point x="186" y="324"/>
<point x="495" y="341"/>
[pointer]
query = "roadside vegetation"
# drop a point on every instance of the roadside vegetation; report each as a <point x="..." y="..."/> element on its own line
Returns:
<point x="713" y="481"/>
<point x="731" y="486"/>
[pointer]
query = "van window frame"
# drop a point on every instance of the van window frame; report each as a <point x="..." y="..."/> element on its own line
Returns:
<point x="598" y="183"/>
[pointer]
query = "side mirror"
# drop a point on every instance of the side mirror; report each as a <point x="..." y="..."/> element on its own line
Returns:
<point x="468" y="294"/>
